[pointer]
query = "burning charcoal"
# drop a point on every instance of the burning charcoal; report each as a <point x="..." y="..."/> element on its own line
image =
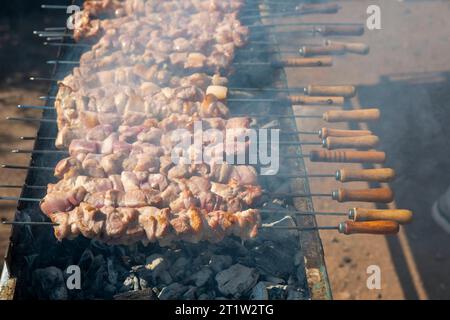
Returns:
<point x="274" y="280"/>
<point x="166" y="278"/>
<point x="285" y="236"/>
<point x="206" y="296"/>
<point x="259" y="292"/>
<point x="86" y="260"/>
<point x="190" y="293"/>
<point x="131" y="283"/>
<point x="156" y="265"/>
<point x="143" y="284"/>
<point x="201" y="277"/>
<point x="178" y="269"/>
<point x="237" y="280"/>
<point x="295" y="294"/>
<point x="219" y="262"/>
<point x="232" y="247"/>
<point x="272" y="260"/>
<point x="113" y="275"/>
<point x="145" y="294"/>
<point x="172" y="292"/>
<point x="277" y="292"/>
<point x="49" y="284"/>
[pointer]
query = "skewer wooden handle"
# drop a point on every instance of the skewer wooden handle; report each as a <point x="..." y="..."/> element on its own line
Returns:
<point x="369" y="175"/>
<point x="322" y="101"/>
<point x="344" y="91"/>
<point x="347" y="156"/>
<point x="343" y="30"/>
<point x="305" y="62"/>
<point x="318" y="8"/>
<point x="398" y="215"/>
<point x="382" y="195"/>
<point x="350" y="142"/>
<point x="353" y="47"/>
<point x="369" y="227"/>
<point x="351" y="115"/>
<point x="328" y="132"/>
<point x="308" y="51"/>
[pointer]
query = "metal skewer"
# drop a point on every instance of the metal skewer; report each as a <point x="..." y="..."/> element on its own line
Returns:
<point x="10" y="166"/>
<point x="28" y="223"/>
<point x="400" y="216"/>
<point x="349" y="227"/>
<point x="33" y="151"/>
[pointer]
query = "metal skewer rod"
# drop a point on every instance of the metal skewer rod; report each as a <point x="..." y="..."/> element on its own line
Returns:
<point x="43" y="79"/>
<point x="64" y="44"/>
<point x="10" y="166"/>
<point x="29" y="223"/>
<point x="20" y="199"/>
<point x="277" y="15"/>
<point x="63" y="62"/>
<point x="21" y="106"/>
<point x="52" y="7"/>
<point x="325" y="8"/>
<point x="40" y="151"/>
<point x="400" y="216"/>
<point x="55" y="28"/>
<point x="26" y="138"/>
<point x="349" y="227"/>
<point x="31" y="119"/>
<point x="5" y="186"/>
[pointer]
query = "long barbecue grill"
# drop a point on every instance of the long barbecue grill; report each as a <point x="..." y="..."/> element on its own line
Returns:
<point x="292" y="260"/>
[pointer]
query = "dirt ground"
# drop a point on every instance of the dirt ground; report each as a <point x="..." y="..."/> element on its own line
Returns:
<point x="406" y="75"/>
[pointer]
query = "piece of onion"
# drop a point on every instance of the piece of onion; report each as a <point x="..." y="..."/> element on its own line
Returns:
<point x="220" y="92"/>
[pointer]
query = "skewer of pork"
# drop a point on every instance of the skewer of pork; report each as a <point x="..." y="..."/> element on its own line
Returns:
<point x="150" y="224"/>
<point x="135" y="190"/>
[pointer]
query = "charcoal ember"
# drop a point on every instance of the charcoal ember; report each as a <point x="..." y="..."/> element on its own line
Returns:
<point x="173" y="291"/>
<point x="287" y="237"/>
<point x="296" y="294"/>
<point x="179" y="267"/>
<point x="86" y="260"/>
<point x="156" y="264"/>
<point x="113" y="274"/>
<point x="144" y="294"/>
<point x="237" y="280"/>
<point x="143" y="283"/>
<point x="201" y="277"/>
<point x="131" y="283"/>
<point x="207" y="296"/>
<point x="201" y="260"/>
<point x="219" y="262"/>
<point x="277" y="292"/>
<point x="259" y="292"/>
<point x="48" y="283"/>
<point x="165" y="278"/>
<point x="274" y="280"/>
<point x="190" y="294"/>
<point x="231" y="247"/>
<point x="273" y="261"/>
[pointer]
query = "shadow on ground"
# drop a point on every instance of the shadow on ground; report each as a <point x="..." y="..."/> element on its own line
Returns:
<point x="415" y="133"/>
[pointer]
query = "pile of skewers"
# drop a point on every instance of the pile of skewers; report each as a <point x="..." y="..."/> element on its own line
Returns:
<point x="153" y="69"/>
